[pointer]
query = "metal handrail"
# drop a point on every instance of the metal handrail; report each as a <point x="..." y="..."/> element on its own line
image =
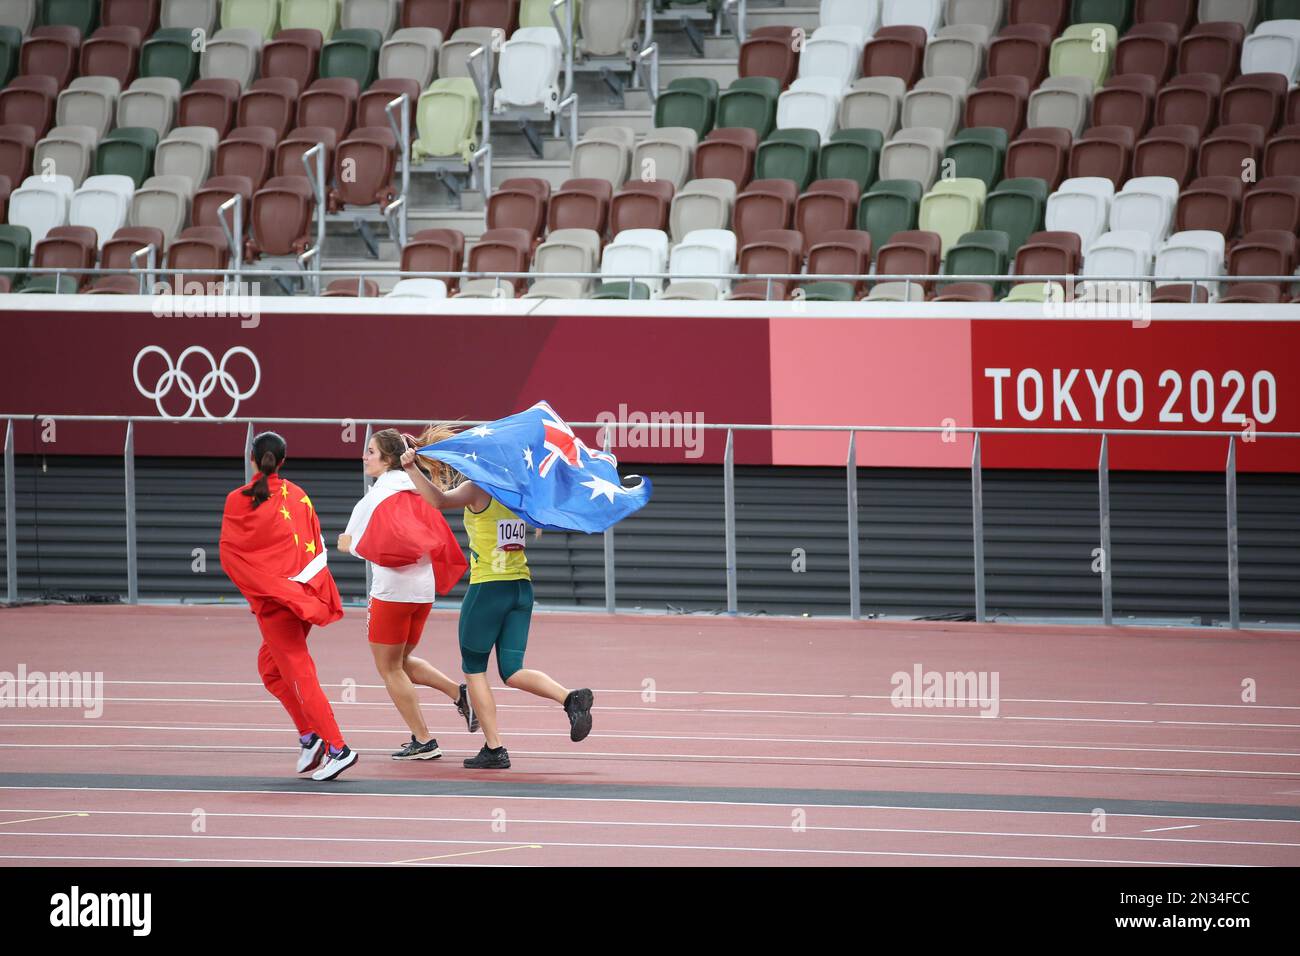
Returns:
<point x="146" y="276"/>
<point x="566" y="37"/>
<point x="729" y="493"/>
<point x="482" y="161"/>
<point x="315" y="175"/>
<point x="569" y="103"/>
<point x="481" y="74"/>
<point x="234" y="229"/>
<point x="401" y="127"/>
<point x="652" y="85"/>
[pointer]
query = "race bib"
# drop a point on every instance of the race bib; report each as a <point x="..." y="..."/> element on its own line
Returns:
<point x="510" y="535"/>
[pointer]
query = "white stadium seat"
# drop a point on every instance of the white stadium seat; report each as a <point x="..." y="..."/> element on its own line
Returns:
<point x="926" y="14"/>
<point x="634" y="255"/>
<point x="702" y="252"/>
<point x="102" y="203"/>
<point x="41" y="204"/>
<point x="863" y="14"/>
<point x="1274" y="47"/>
<point x="529" y="69"/>
<point x="418" y="289"/>
<point x="834" y="52"/>
<point x="1082" y="206"/>
<point x="1146" y="203"/>
<point x="1196" y="252"/>
<point x="811" y="103"/>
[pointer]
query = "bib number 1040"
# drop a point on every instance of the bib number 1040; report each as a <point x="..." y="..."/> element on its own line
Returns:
<point x="510" y="535"/>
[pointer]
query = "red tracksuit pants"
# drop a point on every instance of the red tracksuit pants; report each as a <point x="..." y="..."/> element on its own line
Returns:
<point x="290" y="674"/>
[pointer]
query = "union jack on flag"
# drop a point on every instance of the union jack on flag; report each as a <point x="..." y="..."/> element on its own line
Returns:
<point x="536" y="466"/>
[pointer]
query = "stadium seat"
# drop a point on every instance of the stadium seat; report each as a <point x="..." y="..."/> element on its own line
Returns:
<point x="198" y="247"/>
<point x="637" y="255"/>
<point x="1228" y="148"/>
<point x="988" y="14"/>
<point x="1167" y="151"/>
<point x="352" y="54"/>
<point x="205" y="209"/>
<point x="1050" y="14"/>
<point x="497" y="250"/>
<point x="246" y="151"/>
<point x="1212" y="47"/>
<point x="913" y="154"/>
<point x="371" y="153"/>
<point x="727" y="153"/>
<point x="1103" y="151"/>
<point x="641" y="205"/>
<point x="908" y="253"/>
<point x="291" y="152"/>
<point x="842" y="252"/>
<point x="957" y="50"/>
<point x="621" y="290"/>
<point x="260" y="15"/>
<point x="332" y="102"/>
<point x="1125" y="100"/>
<point x="889" y="206"/>
<point x="1210" y="203"/>
<point x="769" y="56"/>
<point x="380" y="15"/>
<point x="117" y="252"/>
<point x="163" y="202"/>
<point x="964" y="292"/>
<point x="978" y="153"/>
<point x="689" y="102"/>
<point x="6" y="187"/>
<point x="1190" y="99"/>
<point x="15" y="246"/>
<point x="127" y="151"/>
<point x="1049" y="253"/>
<point x="20" y="14"/>
<point x="1016" y="208"/>
<point x="749" y="102"/>
<point x="1272" y="203"/>
<point x="1021" y="50"/>
<point x="88" y="101"/>
<point x="373" y="103"/>
<point x="1292" y="115"/>
<point x="190" y="15"/>
<point x="998" y="101"/>
<point x="1253" y="293"/>
<point x="832" y="53"/>
<point x="1242" y="12"/>
<point x="29" y="101"/>
<point x="580" y="204"/>
<point x="187" y="151"/>
<point x="11" y="43"/>
<point x="496" y="14"/>
<point x="1146" y="204"/>
<point x="440" y="15"/>
<point x="926" y="14"/>
<point x="951" y="209"/>
<point x="17" y="143"/>
<point x="352" y="288"/>
<point x="604" y="152"/>
<point x="1061" y="101"/>
<point x="454" y="54"/>
<point x="1117" y="13"/>
<point x="1180" y="13"/>
<point x="1256" y="99"/>
<point x="1149" y="48"/>
<point x="1075" y="52"/>
<point x="435" y="250"/>
<point x="209" y="103"/>
<point x="170" y="54"/>
<point x="423" y="289"/>
<point x="51" y="50"/>
<point x="895" y="51"/>
<point x="936" y="102"/>
<point x="232" y="54"/>
<point x="977" y="253"/>
<point x="851" y="154"/>
<point x="1118" y="254"/>
<point x="1081" y="205"/>
<point x="101" y="203"/>
<point x="1273" y="48"/>
<point x="411" y="54"/>
<point x="1282" y="153"/>
<point x="270" y="102"/>
<point x="67" y="150"/>
<point x="789" y="154"/>
<point x="281" y="219"/>
<point x="151" y="103"/>
<point x="862" y="15"/>
<point x="607" y="27"/>
<point x="701" y="252"/>
<point x="667" y="153"/>
<point x="112" y="51"/>
<point x="529" y="68"/>
<point x="567" y="250"/>
<point x="810" y="103"/>
<point x="293" y="54"/>
<point x="1189" y="254"/>
<point x="1265" y="252"/>
<point x="1039" y="153"/>
<point x="765" y="204"/>
<point x="519" y="203"/>
<point x="64" y="247"/>
<point x="873" y="102"/>
<point x="828" y="205"/>
<point x="701" y="204"/>
<point x="40" y="205"/>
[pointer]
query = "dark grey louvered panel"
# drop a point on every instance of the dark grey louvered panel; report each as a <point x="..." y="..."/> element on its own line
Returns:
<point x="1168" y="538"/>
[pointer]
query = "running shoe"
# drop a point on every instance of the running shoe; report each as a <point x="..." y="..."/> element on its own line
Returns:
<point x="414" y="750"/>
<point x="488" y="759"/>
<point x="311" y="755"/>
<point x="336" y="764"/>
<point x="578" y="706"/>
<point x="466" y="709"/>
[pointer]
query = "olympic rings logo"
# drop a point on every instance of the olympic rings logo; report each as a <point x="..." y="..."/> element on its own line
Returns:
<point x="175" y="374"/>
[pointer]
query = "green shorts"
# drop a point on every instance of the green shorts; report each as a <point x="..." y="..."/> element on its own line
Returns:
<point x="495" y="614"/>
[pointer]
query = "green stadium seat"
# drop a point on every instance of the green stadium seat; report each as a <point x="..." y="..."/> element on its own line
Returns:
<point x="751" y="102"/>
<point x="260" y="15"/>
<point x="352" y="53"/>
<point x="978" y="153"/>
<point x="11" y="42"/>
<point x="127" y="151"/>
<point x="319" y="15"/>
<point x="15" y="247"/>
<point x="446" y="119"/>
<point x="170" y="52"/>
<point x="48" y="285"/>
<point x="621" y="290"/>
<point x="789" y="154"/>
<point x="1280" y="10"/>
<point x="828" y="292"/>
<point x="1073" y="53"/>
<point x="1118" y="13"/>
<point x="689" y="101"/>
<point x="852" y="154"/>
<point x="888" y="207"/>
<point x="1016" y="207"/>
<point x="82" y="14"/>
<point x="983" y="252"/>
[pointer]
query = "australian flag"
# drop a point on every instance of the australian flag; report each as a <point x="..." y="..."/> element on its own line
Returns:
<point x="537" y="467"/>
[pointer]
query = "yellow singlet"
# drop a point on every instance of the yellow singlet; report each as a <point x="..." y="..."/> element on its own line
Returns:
<point x="496" y="545"/>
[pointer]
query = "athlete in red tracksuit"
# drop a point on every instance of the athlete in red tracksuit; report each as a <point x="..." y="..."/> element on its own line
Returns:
<point x="273" y="551"/>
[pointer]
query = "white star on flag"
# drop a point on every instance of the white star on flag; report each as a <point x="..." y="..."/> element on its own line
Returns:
<point x="599" y="486"/>
<point x="482" y="431"/>
<point x="528" y="458"/>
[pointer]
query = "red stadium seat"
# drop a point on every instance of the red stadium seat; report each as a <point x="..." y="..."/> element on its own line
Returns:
<point x="372" y="104"/>
<point x="370" y="154"/>
<point x="580" y="204"/>
<point x="770" y="51"/>
<point x="1052" y="14"/>
<point x="1292" y="107"/>
<point x="506" y="250"/>
<point x="773" y="252"/>
<point x="1190" y="99"/>
<point x="435" y="250"/>
<point x="210" y="102"/>
<point x="1041" y="153"/>
<point x="330" y="101"/>
<point x="281" y="220"/>
<point x="999" y="101"/>
<point x="965" y="292"/>
<point x="895" y="51"/>
<point x="1272" y="203"/>
<point x="29" y="101"/>
<point x="1265" y="252"/>
<point x="51" y="51"/>
<point x="1228" y="149"/>
<point x="215" y="192"/>
<point x="828" y="205"/>
<point x="116" y="253"/>
<point x="112" y="51"/>
<point x="1212" y="48"/>
<point x="1256" y="99"/>
<point x="1212" y="203"/>
<point x="641" y="205"/>
<point x="1021" y="50"/>
<point x="1167" y="151"/>
<point x="843" y="252"/>
<point x="1180" y="293"/>
<point x="519" y="204"/>
<point x="910" y="252"/>
<point x="1104" y="151"/>
<point x="1181" y="13"/>
<point x="140" y="14"/>
<point x="246" y="151"/>
<point x="351" y="288"/>
<point x="291" y="150"/>
<point x="499" y="14"/>
<point x="1050" y="253"/>
<point x="67" y="247"/>
<point x="1149" y="48"/>
<point x="765" y="204"/>
<point x="294" y="54"/>
<point x="1282" y="154"/>
<point x="198" y="247"/>
<point x="727" y="153"/>
<point x="1253" y="293"/>
<point x="442" y="15"/>
<point x="17" y="143"/>
<point x="269" y="102"/>
<point x="6" y="187"/>
<point x="1126" y="100"/>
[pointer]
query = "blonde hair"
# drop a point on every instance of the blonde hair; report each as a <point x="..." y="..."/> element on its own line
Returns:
<point x="439" y="472"/>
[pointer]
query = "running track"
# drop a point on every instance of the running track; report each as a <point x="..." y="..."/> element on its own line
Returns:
<point x="717" y="742"/>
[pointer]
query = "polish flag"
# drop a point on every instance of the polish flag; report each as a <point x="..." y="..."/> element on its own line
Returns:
<point x="393" y="526"/>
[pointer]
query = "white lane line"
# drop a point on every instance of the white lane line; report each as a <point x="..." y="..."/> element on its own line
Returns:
<point x="336" y="795"/>
<point x="609" y="846"/>
<point x="195" y="726"/>
<point x="488" y="821"/>
<point x="205" y="861"/>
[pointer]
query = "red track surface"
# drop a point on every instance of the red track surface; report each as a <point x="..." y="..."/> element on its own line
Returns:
<point x="740" y="707"/>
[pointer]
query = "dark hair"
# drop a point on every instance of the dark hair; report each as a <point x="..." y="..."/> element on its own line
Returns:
<point x="391" y="445"/>
<point x="268" y="451"/>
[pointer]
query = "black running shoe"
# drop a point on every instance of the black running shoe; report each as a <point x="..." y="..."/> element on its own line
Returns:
<point x="414" y="750"/>
<point x="488" y="759"/>
<point x="578" y="706"/>
<point x="466" y="709"/>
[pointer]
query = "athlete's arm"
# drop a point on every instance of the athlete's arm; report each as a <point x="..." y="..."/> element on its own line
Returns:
<point x="464" y="495"/>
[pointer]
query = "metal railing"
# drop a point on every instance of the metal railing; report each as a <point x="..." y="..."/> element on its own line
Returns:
<point x="729" y="493"/>
<point x="398" y="112"/>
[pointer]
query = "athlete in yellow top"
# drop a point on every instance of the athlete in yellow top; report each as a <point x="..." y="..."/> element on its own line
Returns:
<point x="498" y="607"/>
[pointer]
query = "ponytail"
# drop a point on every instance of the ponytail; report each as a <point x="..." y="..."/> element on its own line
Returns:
<point x="268" y="451"/>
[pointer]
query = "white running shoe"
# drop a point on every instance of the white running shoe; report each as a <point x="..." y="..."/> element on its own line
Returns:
<point x="311" y="755"/>
<point x="336" y="764"/>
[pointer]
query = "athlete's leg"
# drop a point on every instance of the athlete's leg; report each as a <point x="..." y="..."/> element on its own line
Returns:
<point x="275" y="683"/>
<point x="388" y="661"/>
<point x="479" y="627"/>
<point x="286" y="636"/>
<point x="512" y="644"/>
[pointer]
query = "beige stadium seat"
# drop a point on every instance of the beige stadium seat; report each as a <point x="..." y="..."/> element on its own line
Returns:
<point x="187" y="151"/>
<point x="150" y="102"/>
<point x="666" y="154"/>
<point x="701" y="204"/>
<point x="411" y="54"/>
<point x="913" y="154"/>
<point x="89" y="101"/>
<point x="937" y="102"/>
<point x="873" y="102"/>
<point x="232" y="54"/>
<point x="72" y="151"/>
<point x="897" y="292"/>
<point x="18" y="13"/>
<point x="1062" y="101"/>
<point x="605" y="152"/>
<point x="986" y="13"/>
<point x="485" y="289"/>
<point x="191" y="14"/>
<point x="378" y="15"/>
<point x="607" y="27"/>
<point x="453" y="55"/>
<point x="162" y="202"/>
<point x="565" y="250"/>
<point x="958" y="50"/>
